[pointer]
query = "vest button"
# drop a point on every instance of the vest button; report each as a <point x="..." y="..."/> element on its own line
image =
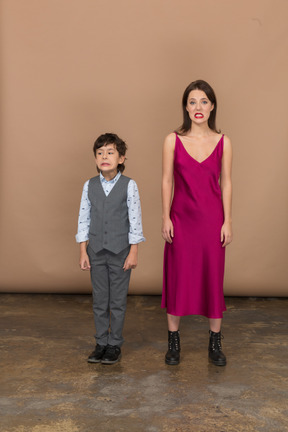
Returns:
<point x="105" y="232"/>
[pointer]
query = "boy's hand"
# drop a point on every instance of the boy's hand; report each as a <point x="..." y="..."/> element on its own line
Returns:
<point x="84" y="262"/>
<point x="132" y="258"/>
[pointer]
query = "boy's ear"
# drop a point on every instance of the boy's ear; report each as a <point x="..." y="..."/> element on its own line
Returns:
<point x="122" y="159"/>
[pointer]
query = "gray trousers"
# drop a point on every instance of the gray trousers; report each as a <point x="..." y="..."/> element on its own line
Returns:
<point x="110" y="287"/>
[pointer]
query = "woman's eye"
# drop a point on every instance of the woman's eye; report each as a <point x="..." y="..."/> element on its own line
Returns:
<point x="205" y="102"/>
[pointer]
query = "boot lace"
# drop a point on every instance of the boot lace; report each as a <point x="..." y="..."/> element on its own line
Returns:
<point x="216" y="342"/>
<point x="173" y="343"/>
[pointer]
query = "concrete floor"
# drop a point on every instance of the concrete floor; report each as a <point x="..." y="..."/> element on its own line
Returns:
<point x="47" y="385"/>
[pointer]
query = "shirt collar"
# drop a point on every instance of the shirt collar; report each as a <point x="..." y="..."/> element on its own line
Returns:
<point x="113" y="181"/>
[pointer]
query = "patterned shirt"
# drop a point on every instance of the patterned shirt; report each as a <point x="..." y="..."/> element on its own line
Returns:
<point x="133" y="204"/>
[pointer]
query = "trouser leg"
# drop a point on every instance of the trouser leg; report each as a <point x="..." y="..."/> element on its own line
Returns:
<point x="119" y="284"/>
<point x="100" y="292"/>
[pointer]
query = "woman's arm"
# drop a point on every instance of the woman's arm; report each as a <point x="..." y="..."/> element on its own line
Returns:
<point x="167" y="186"/>
<point x="226" y="188"/>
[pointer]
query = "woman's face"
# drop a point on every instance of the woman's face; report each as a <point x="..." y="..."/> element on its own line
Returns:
<point x="199" y="106"/>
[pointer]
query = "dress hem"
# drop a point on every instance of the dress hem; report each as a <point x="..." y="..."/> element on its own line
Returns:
<point x="194" y="313"/>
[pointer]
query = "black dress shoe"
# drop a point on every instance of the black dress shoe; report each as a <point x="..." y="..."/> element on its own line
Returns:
<point x="112" y="355"/>
<point x="97" y="354"/>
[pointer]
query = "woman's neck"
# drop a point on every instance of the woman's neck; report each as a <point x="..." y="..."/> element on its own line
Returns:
<point x="199" y="130"/>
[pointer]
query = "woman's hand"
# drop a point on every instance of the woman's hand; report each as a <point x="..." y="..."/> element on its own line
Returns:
<point x="226" y="234"/>
<point x="168" y="230"/>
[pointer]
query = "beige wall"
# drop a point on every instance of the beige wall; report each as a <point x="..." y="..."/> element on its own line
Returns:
<point x="71" y="70"/>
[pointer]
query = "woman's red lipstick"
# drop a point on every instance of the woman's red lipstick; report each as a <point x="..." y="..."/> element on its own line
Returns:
<point x="198" y="115"/>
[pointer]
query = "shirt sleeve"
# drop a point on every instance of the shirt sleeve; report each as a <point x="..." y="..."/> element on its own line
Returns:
<point x="134" y="214"/>
<point x="84" y="216"/>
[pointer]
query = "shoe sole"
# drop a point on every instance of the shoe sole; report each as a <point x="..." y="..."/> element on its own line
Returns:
<point x="217" y="363"/>
<point x="93" y="361"/>
<point x="170" y="363"/>
<point x="109" y="362"/>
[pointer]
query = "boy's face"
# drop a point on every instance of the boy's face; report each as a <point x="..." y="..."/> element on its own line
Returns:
<point x="107" y="160"/>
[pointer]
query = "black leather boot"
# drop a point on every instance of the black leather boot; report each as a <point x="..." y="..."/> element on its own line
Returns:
<point x="215" y="349"/>
<point x="172" y="356"/>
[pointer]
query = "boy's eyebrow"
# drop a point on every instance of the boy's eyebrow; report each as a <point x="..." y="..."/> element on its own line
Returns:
<point x="109" y="149"/>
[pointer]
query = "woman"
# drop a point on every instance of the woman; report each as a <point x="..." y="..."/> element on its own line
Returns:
<point x="197" y="226"/>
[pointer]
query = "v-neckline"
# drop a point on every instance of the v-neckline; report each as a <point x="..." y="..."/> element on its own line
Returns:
<point x="193" y="157"/>
<point x="101" y="186"/>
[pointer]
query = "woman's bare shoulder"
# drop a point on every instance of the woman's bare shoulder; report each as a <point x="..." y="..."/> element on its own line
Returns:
<point x="169" y="141"/>
<point x="227" y="141"/>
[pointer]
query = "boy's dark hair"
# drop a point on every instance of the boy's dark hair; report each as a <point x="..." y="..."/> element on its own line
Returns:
<point x="110" y="138"/>
<point x="208" y="90"/>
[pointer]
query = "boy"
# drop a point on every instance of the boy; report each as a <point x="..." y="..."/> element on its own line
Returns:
<point x="109" y="230"/>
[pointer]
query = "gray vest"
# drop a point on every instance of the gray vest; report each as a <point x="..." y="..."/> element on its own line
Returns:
<point x="109" y="226"/>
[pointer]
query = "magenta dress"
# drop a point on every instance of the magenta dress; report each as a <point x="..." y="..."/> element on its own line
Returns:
<point x="194" y="262"/>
